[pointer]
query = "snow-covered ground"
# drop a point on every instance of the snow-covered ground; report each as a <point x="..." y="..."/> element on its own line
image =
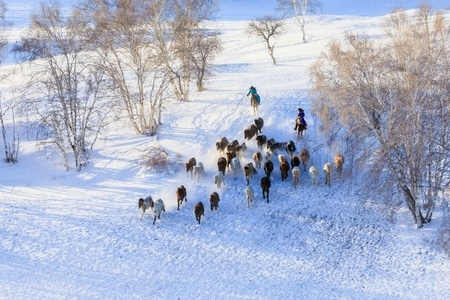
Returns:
<point x="77" y="235"/>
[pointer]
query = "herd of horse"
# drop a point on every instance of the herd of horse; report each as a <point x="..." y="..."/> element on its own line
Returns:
<point x="230" y="155"/>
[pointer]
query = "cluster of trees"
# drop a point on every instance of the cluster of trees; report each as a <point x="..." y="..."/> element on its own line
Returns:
<point x="391" y="100"/>
<point x="267" y="28"/>
<point x="126" y="57"/>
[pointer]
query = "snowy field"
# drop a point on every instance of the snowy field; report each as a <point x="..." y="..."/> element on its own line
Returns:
<point x="77" y="235"/>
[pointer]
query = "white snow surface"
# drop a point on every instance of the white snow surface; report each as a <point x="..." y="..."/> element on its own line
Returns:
<point x="77" y="235"/>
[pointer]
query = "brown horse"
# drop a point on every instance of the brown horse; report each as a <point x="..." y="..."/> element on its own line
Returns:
<point x="300" y="128"/>
<point x="190" y="164"/>
<point x="339" y="162"/>
<point x="257" y="157"/>
<point x="214" y="200"/>
<point x="284" y="169"/>
<point x="249" y="171"/>
<point x="304" y="157"/>
<point x="181" y="195"/>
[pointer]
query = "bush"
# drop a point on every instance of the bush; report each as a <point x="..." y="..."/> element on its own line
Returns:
<point x="157" y="159"/>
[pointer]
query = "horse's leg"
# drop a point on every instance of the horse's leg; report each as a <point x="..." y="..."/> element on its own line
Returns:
<point x="143" y="211"/>
<point x="154" y="220"/>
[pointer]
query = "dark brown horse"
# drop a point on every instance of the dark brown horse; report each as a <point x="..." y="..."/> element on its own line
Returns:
<point x="259" y="123"/>
<point x="222" y="164"/>
<point x="268" y="167"/>
<point x="265" y="186"/>
<point x="199" y="211"/>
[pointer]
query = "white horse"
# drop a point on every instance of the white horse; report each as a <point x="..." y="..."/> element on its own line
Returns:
<point x="219" y="179"/>
<point x="248" y="191"/>
<point x="199" y="170"/>
<point x="314" y="174"/>
<point x="296" y="176"/>
<point x="327" y="168"/>
<point x="157" y="208"/>
<point x="235" y="166"/>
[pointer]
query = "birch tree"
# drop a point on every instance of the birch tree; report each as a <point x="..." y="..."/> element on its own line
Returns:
<point x="300" y="9"/>
<point x="394" y="98"/>
<point x="11" y="139"/>
<point x="206" y="46"/>
<point x="186" y="18"/>
<point x="65" y="87"/>
<point x="122" y="33"/>
<point x="267" y="29"/>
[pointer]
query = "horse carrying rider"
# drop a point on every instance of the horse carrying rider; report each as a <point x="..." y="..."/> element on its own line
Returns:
<point x="252" y="90"/>
<point x="301" y="117"/>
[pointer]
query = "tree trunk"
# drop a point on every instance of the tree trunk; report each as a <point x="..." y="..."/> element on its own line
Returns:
<point x="413" y="207"/>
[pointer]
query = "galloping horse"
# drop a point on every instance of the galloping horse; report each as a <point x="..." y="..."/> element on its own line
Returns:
<point x="254" y="103"/>
<point x="300" y="128"/>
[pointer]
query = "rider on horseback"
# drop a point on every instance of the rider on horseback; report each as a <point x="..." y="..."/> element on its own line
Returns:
<point x="254" y="93"/>
<point x="301" y="117"/>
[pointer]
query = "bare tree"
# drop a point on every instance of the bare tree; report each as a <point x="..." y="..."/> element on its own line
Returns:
<point x="122" y="34"/>
<point x="267" y="28"/>
<point x="186" y="17"/>
<point x="394" y="99"/>
<point x="147" y="47"/>
<point x="12" y="147"/>
<point x="64" y="89"/>
<point x="206" y="47"/>
<point x="300" y="9"/>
